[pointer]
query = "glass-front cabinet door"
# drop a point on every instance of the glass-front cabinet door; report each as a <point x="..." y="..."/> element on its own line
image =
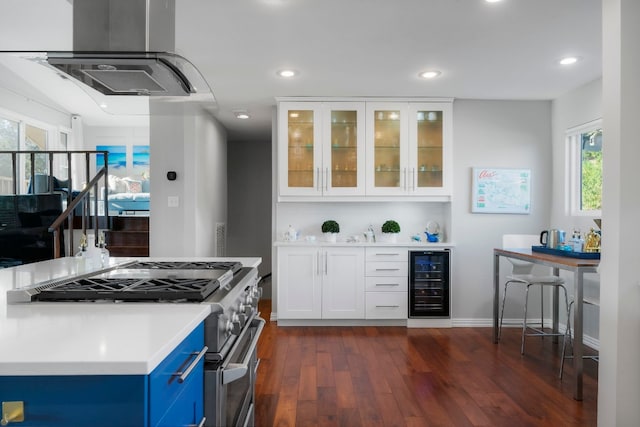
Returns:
<point x="387" y="148"/>
<point x="299" y="150"/>
<point x="429" y="148"/>
<point x="343" y="148"/>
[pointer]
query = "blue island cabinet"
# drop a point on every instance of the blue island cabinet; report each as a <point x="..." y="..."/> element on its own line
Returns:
<point x="172" y="395"/>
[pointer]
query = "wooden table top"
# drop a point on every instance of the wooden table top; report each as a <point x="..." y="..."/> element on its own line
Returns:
<point x="528" y="254"/>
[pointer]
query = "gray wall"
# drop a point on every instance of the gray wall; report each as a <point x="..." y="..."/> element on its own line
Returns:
<point x="509" y="134"/>
<point x="249" y="208"/>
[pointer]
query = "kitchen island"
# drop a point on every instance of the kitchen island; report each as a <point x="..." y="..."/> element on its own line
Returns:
<point x="76" y="348"/>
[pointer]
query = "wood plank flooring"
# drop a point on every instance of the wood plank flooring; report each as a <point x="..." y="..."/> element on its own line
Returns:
<point x="394" y="376"/>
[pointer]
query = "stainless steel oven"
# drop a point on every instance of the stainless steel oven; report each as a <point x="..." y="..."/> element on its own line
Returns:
<point x="229" y="385"/>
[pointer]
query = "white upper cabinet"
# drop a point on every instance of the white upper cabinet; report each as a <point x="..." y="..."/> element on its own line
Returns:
<point x="361" y="149"/>
<point x="430" y="150"/>
<point x="299" y="149"/>
<point x="343" y="148"/>
<point x="321" y="149"/>
<point x="387" y="148"/>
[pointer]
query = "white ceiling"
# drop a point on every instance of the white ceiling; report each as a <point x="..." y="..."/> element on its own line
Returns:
<point x="343" y="48"/>
<point x="506" y="50"/>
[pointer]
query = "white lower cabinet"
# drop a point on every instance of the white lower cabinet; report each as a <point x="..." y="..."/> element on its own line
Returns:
<point x="386" y="283"/>
<point x="321" y="283"/>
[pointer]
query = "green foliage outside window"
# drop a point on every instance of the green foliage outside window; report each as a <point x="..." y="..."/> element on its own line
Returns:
<point x="591" y="173"/>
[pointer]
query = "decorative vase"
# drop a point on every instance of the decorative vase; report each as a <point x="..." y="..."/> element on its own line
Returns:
<point x="390" y="237"/>
<point x="331" y="237"/>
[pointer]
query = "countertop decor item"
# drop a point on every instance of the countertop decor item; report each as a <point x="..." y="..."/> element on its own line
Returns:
<point x="390" y="230"/>
<point x="330" y="228"/>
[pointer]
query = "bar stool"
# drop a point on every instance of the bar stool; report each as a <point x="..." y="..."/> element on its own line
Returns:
<point x="567" y="335"/>
<point x="542" y="281"/>
<point x="521" y="274"/>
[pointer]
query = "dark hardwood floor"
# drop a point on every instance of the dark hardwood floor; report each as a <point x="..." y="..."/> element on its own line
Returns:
<point x="393" y="376"/>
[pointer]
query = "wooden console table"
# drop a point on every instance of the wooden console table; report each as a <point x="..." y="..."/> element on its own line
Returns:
<point x="578" y="267"/>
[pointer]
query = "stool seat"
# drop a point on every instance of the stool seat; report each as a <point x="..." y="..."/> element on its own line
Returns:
<point x="532" y="278"/>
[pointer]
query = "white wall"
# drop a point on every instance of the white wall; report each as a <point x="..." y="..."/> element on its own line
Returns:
<point x="577" y="107"/>
<point x="619" y="371"/>
<point x="193" y="144"/>
<point x="509" y="134"/>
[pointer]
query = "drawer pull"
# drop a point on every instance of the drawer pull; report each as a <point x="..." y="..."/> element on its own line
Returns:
<point x="388" y="254"/>
<point x="387" y="269"/>
<point x="184" y="374"/>
<point x="387" y="306"/>
<point x="387" y="284"/>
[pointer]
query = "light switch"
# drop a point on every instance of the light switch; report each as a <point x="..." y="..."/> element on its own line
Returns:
<point x="173" y="201"/>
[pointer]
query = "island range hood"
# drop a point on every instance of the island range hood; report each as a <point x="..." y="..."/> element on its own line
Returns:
<point x="129" y="73"/>
<point x="124" y="47"/>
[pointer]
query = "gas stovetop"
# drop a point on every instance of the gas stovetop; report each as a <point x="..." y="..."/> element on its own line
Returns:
<point x="143" y="281"/>
<point x="188" y="265"/>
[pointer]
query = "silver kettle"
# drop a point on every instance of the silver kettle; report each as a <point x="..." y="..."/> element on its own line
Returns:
<point x="552" y="238"/>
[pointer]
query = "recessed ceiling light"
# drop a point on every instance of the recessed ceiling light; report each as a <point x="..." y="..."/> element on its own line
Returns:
<point x="287" y="73"/>
<point x="493" y="1"/>
<point x="430" y="74"/>
<point x="569" y="60"/>
<point x="241" y="114"/>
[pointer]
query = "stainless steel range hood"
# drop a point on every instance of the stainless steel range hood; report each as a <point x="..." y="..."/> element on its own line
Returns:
<point x="129" y="73"/>
<point x="122" y="47"/>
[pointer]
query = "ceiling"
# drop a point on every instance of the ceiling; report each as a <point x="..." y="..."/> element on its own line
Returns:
<point x="341" y="48"/>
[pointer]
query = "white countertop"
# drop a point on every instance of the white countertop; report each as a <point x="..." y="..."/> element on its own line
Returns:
<point x="403" y="244"/>
<point x="78" y="338"/>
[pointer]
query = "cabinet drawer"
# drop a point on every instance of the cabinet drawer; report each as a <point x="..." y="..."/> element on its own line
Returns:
<point x="387" y="284"/>
<point x="387" y="254"/>
<point x="387" y="269"/>
<point x="386" y="305"/>
<point x="165" y="386"/>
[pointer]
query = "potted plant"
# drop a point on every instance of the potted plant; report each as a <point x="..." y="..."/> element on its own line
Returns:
<point x="330" y="228"/>
<point x="390" y="230"/>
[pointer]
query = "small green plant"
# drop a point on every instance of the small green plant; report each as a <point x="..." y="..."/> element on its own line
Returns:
<point x="330" y="226"/>
<point x="390" y="226"/>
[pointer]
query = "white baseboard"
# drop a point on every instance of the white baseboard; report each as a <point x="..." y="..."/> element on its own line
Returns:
<point x="589" y="341"/>
<point x="429" y="323"/>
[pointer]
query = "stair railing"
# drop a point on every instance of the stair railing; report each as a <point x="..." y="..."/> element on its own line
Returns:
<point x="72" y="202"/>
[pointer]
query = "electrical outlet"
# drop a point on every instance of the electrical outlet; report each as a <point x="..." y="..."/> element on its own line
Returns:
<point x="173" y="201"/>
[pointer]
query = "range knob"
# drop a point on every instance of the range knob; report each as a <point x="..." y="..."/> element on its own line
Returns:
<point x="234" y="325"/>
<point x="252" y="301"/>
<point x="256" y="292"/>
<point x="246" y="309"/>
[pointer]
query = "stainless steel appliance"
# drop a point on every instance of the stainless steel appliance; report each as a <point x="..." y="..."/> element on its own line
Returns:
<point x="429" y="290"/>
<point x="232" y="329"/>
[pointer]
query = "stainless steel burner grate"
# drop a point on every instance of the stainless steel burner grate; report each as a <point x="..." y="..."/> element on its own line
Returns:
<point x="154" y="289"/>
<point x="187" y="265"/>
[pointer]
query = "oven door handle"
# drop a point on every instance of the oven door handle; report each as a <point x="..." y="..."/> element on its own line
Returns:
<point x="235" y="371"/>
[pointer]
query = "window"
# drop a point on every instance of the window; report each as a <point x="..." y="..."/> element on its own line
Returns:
<point x="20" y="133"/>
<point x="9" y="139"/>
<point x="584" y="148"/>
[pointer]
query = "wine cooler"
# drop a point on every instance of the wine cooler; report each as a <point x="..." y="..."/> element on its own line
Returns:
<point x="429" y="284"/>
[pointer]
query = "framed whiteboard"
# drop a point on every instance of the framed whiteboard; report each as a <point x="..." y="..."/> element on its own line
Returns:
<point x="500" y="190"/>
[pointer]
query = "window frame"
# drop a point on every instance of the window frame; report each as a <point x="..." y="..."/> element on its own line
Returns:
<point x="53" y="139"/>
<point x="574" y="162"/>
